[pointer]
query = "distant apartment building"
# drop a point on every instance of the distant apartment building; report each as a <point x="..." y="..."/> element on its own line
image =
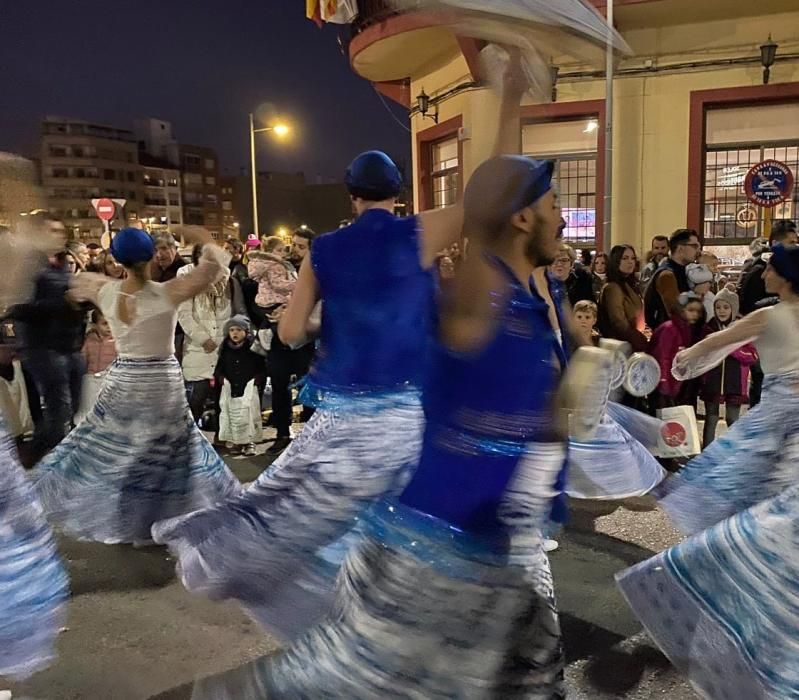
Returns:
<point x="81" y="161"/>
<point x="163" y="201"/>
<point x="20" y="193"/>
<point x="231" y="205"/>
<point x="200" y="188"/>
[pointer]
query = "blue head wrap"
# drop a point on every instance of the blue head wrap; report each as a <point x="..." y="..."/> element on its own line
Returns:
<point x="131" y="246"/>
<point x="785" y="260"/>
<point x="537" y="181"/>
<point x="373" y="176"/>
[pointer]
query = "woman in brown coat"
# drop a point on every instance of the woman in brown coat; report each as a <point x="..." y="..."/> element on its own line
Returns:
<point x="621" y="307"/>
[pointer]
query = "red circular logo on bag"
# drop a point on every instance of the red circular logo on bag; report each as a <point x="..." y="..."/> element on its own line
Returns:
<point x="673" y="434"/>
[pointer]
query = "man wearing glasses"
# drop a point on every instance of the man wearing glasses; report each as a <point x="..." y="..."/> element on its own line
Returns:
<point x="670" y="279"/>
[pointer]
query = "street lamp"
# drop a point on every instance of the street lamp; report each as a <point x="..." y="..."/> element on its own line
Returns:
<point x="423" y="105"/>
<point x="768" y="54"/>
<point x="279" y="130"/>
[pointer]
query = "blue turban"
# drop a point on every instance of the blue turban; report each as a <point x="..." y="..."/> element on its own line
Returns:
<point x="131" y="246"/>
<point x="373" y="176"/>
<point x="536" y="182"/>
<point x="785" y="260"/>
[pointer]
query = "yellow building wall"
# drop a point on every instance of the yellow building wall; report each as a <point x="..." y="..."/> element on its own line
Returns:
<point x="651" y="113"/>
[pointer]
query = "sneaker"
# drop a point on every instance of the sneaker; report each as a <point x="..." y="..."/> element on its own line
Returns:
<point x="279" y="445"/>
<point x="249" y="450"/>
<point x="229" y="445"/>
<point x="550" y="545"/>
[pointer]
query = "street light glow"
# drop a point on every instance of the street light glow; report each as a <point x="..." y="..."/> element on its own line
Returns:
<point x="280" y="129"/>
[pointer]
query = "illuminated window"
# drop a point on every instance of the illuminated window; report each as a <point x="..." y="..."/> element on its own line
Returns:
<point x="572" y="145"/>
<point x="735" y="140"/>
<point x="445" y="172"/>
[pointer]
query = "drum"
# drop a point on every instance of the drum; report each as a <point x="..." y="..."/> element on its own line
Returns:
<point x="643" y="375"/>
<point x="585" y="389"/>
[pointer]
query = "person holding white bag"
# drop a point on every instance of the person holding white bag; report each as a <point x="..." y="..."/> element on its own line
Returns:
<point x="240" y="373"/>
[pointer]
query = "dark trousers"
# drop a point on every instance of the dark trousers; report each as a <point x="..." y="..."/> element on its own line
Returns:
<point x="755" y="384"/>
<point x="283" y="363"/>
<point x="712" y="410"/>
<point x="58" y="378"/>
<point x="198" y="393"/>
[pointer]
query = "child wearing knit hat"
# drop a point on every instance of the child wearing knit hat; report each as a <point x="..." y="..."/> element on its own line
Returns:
<point x="240" y="373"/>
<point x="728" y="383"/>
<point x="700" y="282"/>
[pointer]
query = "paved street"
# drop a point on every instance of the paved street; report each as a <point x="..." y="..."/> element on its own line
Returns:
<point x="134" y="633"/>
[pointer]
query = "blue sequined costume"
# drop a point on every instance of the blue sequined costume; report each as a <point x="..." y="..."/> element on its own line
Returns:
<point x="33" y="583"/>
<point x="449" y="593"/>
<point x="274" y="547"/>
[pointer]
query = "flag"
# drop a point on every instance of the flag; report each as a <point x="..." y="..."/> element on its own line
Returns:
<point x="339" y="11"/>
<point x="313" y="11"/>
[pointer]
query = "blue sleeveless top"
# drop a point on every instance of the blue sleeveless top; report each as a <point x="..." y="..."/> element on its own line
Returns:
<point x="482" y="410"/>
<point x="377" y="308"/>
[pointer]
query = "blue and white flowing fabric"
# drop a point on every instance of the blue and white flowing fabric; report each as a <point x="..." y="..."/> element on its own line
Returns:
<point x="138" y="457"/>
<point x="278" y="546"/>
<point x="33" y="583"/>
<point x="724" y="604"/>
<point x="617" y="462"/>
<point x="422" y="611"/>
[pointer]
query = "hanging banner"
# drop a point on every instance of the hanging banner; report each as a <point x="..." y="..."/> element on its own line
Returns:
<point x="769" y="183"/>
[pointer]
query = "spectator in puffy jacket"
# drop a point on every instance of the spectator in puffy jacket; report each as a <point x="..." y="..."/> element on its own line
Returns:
<point x="238" y="366"/>
<point x="728" y="383"/>
<point x="276" y="279"/>
<point x="683" y="330"/>
<point x="99" y="348"/>
<point x="700" y="282"/>
<point x="203" y="320"/>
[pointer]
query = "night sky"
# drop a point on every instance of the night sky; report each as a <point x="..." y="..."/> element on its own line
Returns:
<point x="201" y="64"/>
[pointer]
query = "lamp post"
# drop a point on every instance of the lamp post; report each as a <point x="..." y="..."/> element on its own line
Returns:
<point x="423" y="105"/>
<point x="768" y="54"/>
<point x="280" y="130"/>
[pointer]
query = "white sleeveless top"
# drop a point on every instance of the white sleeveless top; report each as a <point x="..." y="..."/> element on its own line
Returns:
<point x="778" y="344"/>
<point x="152" y="333"/>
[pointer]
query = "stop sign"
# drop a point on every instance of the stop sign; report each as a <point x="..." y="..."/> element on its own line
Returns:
<point x="106" y="209"/>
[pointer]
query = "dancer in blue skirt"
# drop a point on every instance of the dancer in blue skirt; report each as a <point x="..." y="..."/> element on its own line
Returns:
<point x="138" y="456"/>
<point x="270" y="547"/>
<point x="33" y="583"/>
<point x="724" y="604"/>
<point x="441" y="599"/>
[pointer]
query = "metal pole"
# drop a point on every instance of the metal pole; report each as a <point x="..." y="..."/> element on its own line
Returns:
<point x="608" y="194"/>
<point x="254" y="178"/>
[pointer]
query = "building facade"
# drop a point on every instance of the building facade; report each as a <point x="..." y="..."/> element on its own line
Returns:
<point x="163" y="201"/>
<point x="230" y="206"/>
<point x="691" y="116"/>
<point x="81" y="161"/>
<point x="20" y="193"/>
<point x="200" y="188"/>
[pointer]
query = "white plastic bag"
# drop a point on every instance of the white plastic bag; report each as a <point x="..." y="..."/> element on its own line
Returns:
<point x="240" y="417"/>
<point x="679" y="436"/>
<point x="90" y="390"/>
<point x="14" y="404"/>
